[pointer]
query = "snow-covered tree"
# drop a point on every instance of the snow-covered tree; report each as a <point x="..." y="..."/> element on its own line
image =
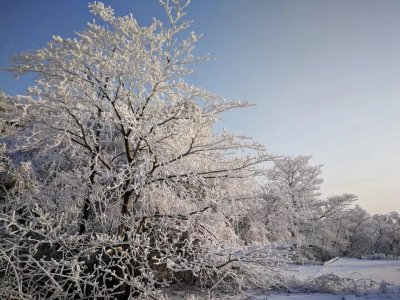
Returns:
<point x="116" y="97"/>
<point x="135" y="187"/>
<point x="386" y="234"/>
<point x="329" y="234"/>
<point x="4" y="107"/>
<point x="292" y="194"/>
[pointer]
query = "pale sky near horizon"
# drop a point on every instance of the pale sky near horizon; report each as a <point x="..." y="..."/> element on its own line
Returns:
<point x="324" y="75"/>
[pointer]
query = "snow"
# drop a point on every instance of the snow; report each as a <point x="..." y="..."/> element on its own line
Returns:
<point x="387" y="271"/>
<point x="376" y="270"/>
<point x="307" y="296"/>
<point x="320" y="296"/>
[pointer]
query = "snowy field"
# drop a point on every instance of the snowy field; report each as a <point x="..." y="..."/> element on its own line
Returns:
<point x="373" y="280"/>
<point x="377" y="270"/>
<point x="382" y="277"/>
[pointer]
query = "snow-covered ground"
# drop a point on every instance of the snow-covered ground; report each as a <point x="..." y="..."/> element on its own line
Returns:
<point x="381" y="279"/>
<point x="377" y="270"/>
<point x="372" y="279"/>
<point x="331" y="297"/>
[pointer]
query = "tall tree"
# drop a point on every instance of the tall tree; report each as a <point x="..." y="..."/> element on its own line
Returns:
<point x="130" y="162"/>
<point x="116" y="97"/>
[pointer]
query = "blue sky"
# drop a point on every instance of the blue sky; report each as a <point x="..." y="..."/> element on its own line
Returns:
<point x="324" y="75"/>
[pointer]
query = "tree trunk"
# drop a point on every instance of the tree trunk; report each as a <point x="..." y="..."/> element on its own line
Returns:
<point x="86" y="204"/>
<point x="122" y="229"/>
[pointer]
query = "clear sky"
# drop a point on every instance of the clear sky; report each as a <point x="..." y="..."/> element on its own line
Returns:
<point x="325" y="76"/>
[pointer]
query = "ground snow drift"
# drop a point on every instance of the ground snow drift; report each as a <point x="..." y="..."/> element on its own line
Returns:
<point x="382" y="273"/>
<point x="377" y="270"/>
<point x="382" y="276"/>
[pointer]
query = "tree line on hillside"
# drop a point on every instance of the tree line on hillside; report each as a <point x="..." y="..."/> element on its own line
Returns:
<point x="114" y="183"/>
